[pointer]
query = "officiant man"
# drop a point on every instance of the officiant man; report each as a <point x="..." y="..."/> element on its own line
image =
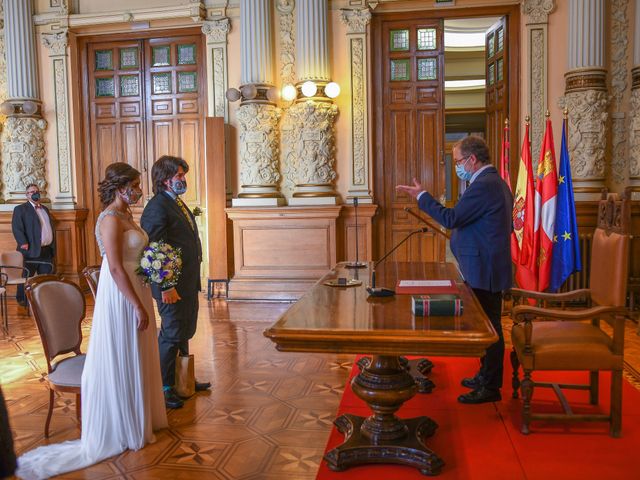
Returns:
<point x="481" y="226"/>
<point x="33" y="229"/>
<point x="167" y="218"/>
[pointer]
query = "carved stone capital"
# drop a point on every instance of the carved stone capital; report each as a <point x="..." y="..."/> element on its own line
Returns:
<point x="313" y="135"/>
<point x="259" y="149"/>
<point x="285" y="6"/>
<point x="56" y="43"/>
<point x="356" y="20"/>
<point x="23" y="156"/>
<point x="587" y="133"/>
<point x="216" y="30"/>
<point x="538" y="10"/>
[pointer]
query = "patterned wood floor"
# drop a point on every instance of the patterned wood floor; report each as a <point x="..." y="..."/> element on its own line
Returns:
<point x="268" y="415"/>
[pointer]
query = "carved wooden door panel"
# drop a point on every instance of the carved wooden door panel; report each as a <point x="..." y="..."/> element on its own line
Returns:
<point x="410" y="129"/>
<point x="175" y="105"/>
<point x="116" y="108"/>
<point x="497" y="85"/>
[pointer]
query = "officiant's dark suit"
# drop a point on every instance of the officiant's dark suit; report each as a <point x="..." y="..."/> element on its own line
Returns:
<point x="167" y="218"/>
<point x="34" y="231"/>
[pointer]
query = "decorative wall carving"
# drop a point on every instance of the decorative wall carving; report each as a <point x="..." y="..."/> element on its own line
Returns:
<point x="3" y="57"/>
<point x="216" y="32"/>
<point x="587" y="133"/>
<point x="287" y="41"/>
<point x="258" y="145"/>
<point x="23" y="156"/>
<point x="537" y="90"/>
<point x="219" y="75"/>
<point x="358" y="111"/>
<point x="314" y="140"/>
<point x="634" y="135"/>
<point x="619" y="83"/>
<point x="356" y="20"/>
<point x="538" y="10"/>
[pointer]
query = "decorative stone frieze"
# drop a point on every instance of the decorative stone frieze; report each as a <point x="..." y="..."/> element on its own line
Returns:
<point x="287" y="41"/>
<point x="314" y="140"/>
<point x="356" y="20"/>
<point x="23" y="157"/>
<point x="538" y="10"/>
<point x="216" y="32"/>
<point x="634" y="130"/>
<point x="259" y="150"/>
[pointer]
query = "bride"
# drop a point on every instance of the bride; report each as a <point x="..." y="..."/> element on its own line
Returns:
<point x="122" y="399"/>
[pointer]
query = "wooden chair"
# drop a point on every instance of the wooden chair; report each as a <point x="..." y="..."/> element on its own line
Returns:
<point x="560" y="339"/>
<point x="12" y="265"/>
<point x="92" y="275"/>
<point x="3" y="301"/>
<point x="58" y="307"/>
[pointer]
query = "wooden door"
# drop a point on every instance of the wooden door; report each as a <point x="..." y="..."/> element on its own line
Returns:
<point x="410" y="128"/>
<point x="497" y="85"/>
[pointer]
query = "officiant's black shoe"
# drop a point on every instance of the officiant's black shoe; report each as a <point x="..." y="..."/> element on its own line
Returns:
<point x="171" y="399"/>
<point x="474" y="382"/>
<point x="481" y="395"/>
<point x="202" y="386"/>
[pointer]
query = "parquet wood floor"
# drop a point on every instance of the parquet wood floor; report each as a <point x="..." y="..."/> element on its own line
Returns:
<point x="268" y="415"/>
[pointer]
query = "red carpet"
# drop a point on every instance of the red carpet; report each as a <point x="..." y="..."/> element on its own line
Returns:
<point x="484" y="441"/>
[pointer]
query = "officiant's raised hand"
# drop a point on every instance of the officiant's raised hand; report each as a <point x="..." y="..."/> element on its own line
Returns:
<point x="170" y="296"/>
<point x="413" y="190"/>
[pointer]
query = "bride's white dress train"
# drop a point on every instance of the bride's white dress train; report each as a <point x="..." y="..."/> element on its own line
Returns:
<point x="122" y="398"/>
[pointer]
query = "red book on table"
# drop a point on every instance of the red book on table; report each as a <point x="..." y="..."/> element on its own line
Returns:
<point x="426" y="287"/>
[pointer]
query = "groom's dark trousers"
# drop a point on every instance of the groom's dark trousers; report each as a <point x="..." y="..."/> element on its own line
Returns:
<point x="164" y="220"/>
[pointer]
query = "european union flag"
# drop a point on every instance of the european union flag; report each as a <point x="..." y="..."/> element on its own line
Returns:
<point x="566" y="244"/>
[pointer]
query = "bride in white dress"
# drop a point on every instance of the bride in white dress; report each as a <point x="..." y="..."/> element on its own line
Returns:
<point x="122" y="399"/>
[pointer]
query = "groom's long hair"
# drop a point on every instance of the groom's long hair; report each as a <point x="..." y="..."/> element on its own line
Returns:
<point x="164" y="169"/>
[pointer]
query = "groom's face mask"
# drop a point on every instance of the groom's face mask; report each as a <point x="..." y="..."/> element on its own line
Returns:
<point x="179" y="187"/>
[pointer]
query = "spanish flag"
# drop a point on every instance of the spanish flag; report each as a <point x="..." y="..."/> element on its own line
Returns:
<point x="522" y="237"/>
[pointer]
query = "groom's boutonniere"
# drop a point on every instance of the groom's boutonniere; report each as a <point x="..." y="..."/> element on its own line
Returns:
<point x="197" y="211"/>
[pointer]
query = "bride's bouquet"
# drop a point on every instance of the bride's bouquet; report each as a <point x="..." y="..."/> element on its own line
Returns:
<point x="160" y="263"/>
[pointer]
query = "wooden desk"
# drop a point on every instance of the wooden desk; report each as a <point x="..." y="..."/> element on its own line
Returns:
<point x="346" y="320"/>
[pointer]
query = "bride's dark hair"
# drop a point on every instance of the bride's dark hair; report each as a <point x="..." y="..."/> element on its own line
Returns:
<point x="117" y="175"/>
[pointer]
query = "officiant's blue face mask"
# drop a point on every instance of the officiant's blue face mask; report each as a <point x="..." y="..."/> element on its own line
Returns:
<point x="461" y="172"/>
<point x="35" y="196"/>
<point x="179" y="187"/>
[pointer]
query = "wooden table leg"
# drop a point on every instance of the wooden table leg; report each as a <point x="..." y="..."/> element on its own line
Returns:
<point x="383" y="437"/>
<point x="418" y="368"/>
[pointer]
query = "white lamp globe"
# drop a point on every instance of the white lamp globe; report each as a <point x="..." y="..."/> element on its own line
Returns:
<point x="309" y="89"/>
<point x="332" y="90"/>
<point x="289" y="93"/>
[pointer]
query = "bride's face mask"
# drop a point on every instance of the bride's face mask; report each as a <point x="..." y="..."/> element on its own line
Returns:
<point x="131" y="194"/>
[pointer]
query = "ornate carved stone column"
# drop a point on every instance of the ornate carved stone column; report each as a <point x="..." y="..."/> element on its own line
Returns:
<point x="634" y="130"/>
<point x="537" y="15"/>
<point x="586" y="97"/>
<point x="23" y="159"/>
<point x="258" y="115"/>
<point x="313" y="117"/>
<point x="57" y="44"/>
<point x="356" y="22"/>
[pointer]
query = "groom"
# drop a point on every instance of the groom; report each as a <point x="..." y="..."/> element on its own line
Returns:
<point x="166" y="217"/>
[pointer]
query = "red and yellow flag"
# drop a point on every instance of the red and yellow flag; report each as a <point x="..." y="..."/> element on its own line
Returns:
<point x="523" y="238"/>
<point x="546" y="196"/>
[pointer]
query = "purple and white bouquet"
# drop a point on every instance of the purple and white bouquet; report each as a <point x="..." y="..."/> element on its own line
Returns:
<point x="160" y="263"/>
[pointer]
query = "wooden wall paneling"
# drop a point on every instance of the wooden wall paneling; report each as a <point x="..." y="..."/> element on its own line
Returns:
<point x="280" y="252"/>
<point x="219" y="226"/>
<point x="347" y="233"/>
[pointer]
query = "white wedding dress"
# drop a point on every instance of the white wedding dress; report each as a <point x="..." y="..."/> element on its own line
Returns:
<point x="122" y="398"/>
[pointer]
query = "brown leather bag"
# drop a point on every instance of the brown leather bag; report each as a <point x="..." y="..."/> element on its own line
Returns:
<point x="185" y="376"/>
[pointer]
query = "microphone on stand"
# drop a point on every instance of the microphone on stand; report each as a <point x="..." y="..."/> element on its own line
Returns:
<point x="381" y="291"/>
<point x="356" y="264"/>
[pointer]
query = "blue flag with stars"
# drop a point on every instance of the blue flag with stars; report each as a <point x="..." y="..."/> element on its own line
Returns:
<point x="566" y="248"/>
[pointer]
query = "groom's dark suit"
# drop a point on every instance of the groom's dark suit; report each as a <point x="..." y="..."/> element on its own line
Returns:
<point x="163" y="219"/>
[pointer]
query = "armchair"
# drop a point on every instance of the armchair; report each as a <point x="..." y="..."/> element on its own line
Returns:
<point x="550" y="337"/>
